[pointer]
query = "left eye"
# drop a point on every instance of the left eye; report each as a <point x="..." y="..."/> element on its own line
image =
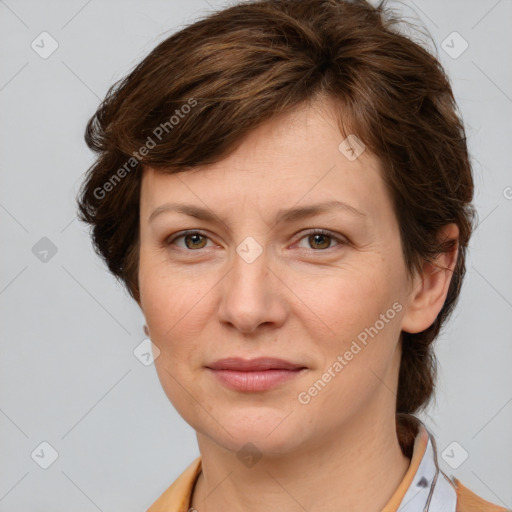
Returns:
<point x="322" y="239"/>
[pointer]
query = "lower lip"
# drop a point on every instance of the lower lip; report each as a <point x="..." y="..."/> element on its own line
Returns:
<point x="254" y="380"/>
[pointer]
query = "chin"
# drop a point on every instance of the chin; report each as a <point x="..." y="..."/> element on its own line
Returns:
<point x="267" y="431"/>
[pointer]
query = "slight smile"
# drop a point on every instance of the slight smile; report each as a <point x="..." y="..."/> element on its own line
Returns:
<point x="254" y="375"/>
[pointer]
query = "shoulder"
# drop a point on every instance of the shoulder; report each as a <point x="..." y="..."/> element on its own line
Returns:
<point x="468" y="501"/>
<point x="176" y="498"/>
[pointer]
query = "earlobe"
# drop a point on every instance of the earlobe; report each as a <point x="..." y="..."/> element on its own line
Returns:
<point x="429" y="290"/>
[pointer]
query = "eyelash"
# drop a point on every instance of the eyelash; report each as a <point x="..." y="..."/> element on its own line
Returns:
<point x="341" y="242"/>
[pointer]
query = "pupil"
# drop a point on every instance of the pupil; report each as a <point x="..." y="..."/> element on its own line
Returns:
<point x="325" y="237"/>
<point x="196" y="240"/>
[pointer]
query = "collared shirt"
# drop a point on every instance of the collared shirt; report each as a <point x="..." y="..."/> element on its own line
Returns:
<point x="424" y="488"/>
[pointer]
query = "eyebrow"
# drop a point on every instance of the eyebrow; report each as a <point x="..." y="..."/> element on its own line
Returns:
<point x="283" y="215"/>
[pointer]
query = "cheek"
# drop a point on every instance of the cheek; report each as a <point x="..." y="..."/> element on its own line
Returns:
<point x="349" y="301"/>
<point x="362" y="310"/>
<point x="172" y="311"/>
<point x="174" y="305"/>
<point x="167" y="294"/>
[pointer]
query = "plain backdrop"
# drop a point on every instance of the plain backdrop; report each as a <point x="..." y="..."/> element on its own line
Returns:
<point x="74" y="396"/>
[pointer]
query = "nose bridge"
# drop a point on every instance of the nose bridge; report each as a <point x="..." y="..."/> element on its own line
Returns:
<point x="250" y="296"/>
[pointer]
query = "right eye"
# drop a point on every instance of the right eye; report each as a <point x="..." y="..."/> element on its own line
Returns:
<point x="193" y="240"/>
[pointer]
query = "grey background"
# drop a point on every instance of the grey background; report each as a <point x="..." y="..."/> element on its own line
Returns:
<point x="67" y="368"/>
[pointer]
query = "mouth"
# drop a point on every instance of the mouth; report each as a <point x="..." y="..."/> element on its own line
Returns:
<point x="255" y="374"/>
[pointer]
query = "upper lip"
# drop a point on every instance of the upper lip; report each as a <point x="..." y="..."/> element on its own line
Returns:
<point x="247" y="365"/>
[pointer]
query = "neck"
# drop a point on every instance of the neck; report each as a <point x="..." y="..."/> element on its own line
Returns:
<point x="355" y="470"/>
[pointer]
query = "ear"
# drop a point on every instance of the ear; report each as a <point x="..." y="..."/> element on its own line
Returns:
<point x="429" y="289"/>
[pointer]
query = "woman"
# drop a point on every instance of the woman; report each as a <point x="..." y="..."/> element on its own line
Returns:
<point x="285" y="190"/>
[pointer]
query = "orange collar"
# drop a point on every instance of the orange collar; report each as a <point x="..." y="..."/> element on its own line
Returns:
<point x="177" y="497"/>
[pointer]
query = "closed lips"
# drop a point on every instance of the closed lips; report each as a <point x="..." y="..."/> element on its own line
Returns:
<point x="253" y="365"/>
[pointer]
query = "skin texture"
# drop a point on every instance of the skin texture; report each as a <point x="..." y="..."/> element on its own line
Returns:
<point x="303" y="299"/>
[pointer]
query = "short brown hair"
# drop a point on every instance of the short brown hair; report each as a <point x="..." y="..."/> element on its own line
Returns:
<point x="240" y="67"/>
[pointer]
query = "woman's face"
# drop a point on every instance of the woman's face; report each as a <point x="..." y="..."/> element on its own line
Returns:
<point x="241" y="285"/>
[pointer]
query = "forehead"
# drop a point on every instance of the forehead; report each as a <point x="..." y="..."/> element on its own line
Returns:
<point x="293" y="160"/>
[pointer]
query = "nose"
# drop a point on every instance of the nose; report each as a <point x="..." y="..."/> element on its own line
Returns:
<point x="253" y="295"/>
